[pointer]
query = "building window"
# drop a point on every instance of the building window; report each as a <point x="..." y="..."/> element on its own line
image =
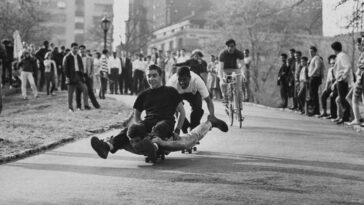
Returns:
<point x="80" y="2"/>
<point x="162" y="47"/>
<point x="79" y="13"/>
<point x="180" y="43"/>
<point x="172" y="30"/>
<point x="79" y="25"/>
<point x="171" y="45"/>
<point x="100" y="8"/>
<point x="165" y="33"/>
<point x="79" y="38"/>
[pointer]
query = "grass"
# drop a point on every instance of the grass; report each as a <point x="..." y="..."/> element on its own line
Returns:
<point x="27" y="124"/>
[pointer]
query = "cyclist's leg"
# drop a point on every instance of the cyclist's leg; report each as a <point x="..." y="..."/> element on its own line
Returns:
<point x="224" y="91"/>
<point x="239" y="86"/>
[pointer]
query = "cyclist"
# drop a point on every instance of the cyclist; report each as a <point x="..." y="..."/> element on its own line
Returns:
<point x="230" y="60"/>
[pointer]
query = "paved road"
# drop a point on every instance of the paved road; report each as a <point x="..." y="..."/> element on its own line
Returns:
<point x="276" y="158"/>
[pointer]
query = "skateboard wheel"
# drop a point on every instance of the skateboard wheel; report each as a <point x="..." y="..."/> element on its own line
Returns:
<point x="147" y="160"/>
<point x="163" y="157"/>
<point x="183" y="151"/>
<point x="195" y="149"/>
<point x="189" y="151"/>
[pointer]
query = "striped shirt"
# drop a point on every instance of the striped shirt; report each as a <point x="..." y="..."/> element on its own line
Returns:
<point x="104" y="64"/>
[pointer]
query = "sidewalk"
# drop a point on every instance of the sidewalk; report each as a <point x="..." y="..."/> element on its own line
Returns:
<point x="31" y="126"/>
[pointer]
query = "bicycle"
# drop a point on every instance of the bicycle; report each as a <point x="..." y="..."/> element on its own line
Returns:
<point x="234" y="105"/>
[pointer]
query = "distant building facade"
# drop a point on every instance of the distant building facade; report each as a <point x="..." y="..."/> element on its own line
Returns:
<point x="71" y="20"/>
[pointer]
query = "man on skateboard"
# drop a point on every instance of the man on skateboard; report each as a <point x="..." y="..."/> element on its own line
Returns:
<point x="160" y="104"/>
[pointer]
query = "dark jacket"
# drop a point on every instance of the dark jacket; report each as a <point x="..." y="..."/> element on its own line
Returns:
<point x="283" y="74"/>
<point x="69" y="69"/>
<point x="28" y="64"/>
<point x="127" y="67"/>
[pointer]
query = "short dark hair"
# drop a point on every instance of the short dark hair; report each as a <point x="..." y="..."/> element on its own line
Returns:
<point x="46" y="43"/>
<point x="105" y="51"/>
<point x="358" y="40"/>
<point x="304" y="58"/>
<point x="331" y="57"/>
<point x="313" y="48"/>
<point x="292" y="50"/>
<point x="184" y="72"/>
<point x="284" y="55"/>
<point x="299" y="52"/>
<point x="63" y="47"/>
<point x="337" y="46"/>
<point x="98" y="54"/>
<point x="83" y="46"/>
<point x="155" y="67"/>
<point x="246" y="50"/>
<point x="74" y="44"/>
<point x="230" y="41"/>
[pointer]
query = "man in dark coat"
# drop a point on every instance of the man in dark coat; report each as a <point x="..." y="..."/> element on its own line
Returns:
<point x="283" y="80"/>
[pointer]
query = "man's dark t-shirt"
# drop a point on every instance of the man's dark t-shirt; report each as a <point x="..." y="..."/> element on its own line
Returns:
<point x="229" y="59"/>
<point x="160" y="103"/>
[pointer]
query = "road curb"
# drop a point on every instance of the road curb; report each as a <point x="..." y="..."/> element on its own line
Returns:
<point x="356" y="128"/>
<point x="52" y="145"/>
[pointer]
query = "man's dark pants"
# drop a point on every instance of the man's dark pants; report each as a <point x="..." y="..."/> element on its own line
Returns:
<point x="114" y="80"/>
<point x="343" y="89"/>
<point x="156" y="127"/>
<point x="125" y="82"/>
<point x="78" y="84"/>
<point x="302" y="96"/>
<point x="7" y="70"/>
<point x="324" y="96"/>
<point x="138" y="81"/>
<point x="195" y="100"/>
<point x="333" y="106"/>
<point x="284" y="89"/>
<point x="314" y="83"/>
<point x="90" y="92"/>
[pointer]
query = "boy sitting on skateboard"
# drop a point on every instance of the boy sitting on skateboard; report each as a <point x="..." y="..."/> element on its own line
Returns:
<point x="160" y="104"/>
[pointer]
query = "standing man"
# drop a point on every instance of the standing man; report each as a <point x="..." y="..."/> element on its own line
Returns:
<point x="40" y="54"/>
<point x="160" y="104"/>
<point x="246" y="82"/>
<point x="2" y="60"/>
<point x="114" y="73"/>
<point x="182" y="57"/>
<point x="125" y="81"/>
<point x="7" y="64"/>
<point x="73" y="68"/>
<point x="28" y="65"/>
<point x="104" y="61"/>
<point x="170" y="69"/>
<point x="138" y="74"/>
<point x="291" y="64"/>
<point x="297" y="58"/>
<point x="88" y="72"/>
<point x="343" y="72"/>
<point x="283" y="80"/>
<point x="162" y="64"/>
<point x="315" y="75"/>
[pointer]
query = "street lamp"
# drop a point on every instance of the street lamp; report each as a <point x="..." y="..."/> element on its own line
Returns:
<point x="105" y="25"/>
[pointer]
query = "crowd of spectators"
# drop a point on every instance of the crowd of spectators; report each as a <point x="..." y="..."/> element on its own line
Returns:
<point x="300" y="77"/>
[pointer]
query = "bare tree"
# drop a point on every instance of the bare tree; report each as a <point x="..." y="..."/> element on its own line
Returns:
<point x="24" y="16"/>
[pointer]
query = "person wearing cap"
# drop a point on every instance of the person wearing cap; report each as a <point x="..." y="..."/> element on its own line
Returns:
<point x="196" y="64"/>
<point x="192" y="89"/>
<point x="160" y="104"/>
<point x="28" y="65"/>
<point x="230" y="60"/>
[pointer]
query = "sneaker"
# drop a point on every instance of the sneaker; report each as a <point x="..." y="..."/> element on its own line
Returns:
<point x="70" y="110"/>
<point x="323" y="115"/>
<point x="352" y="123"/>
<point x="148" y="149"/>
<point x="87" y="107"/>
<point x="101" y="148"/>
<point x="215" y="122"/>
<point x="25" y="98"/>
<point x="336" y="119"/>
<point x="79" y="109"/>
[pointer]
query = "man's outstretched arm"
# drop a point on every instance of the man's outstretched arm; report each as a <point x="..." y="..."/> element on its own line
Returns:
<point x="137" y="115"/>
<point x="181" y="116"/>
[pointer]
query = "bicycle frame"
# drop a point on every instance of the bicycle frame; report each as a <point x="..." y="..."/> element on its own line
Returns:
<point x="234" y="98"/>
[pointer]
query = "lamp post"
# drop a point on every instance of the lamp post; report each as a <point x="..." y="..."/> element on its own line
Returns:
<point x="105" y="25"/>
